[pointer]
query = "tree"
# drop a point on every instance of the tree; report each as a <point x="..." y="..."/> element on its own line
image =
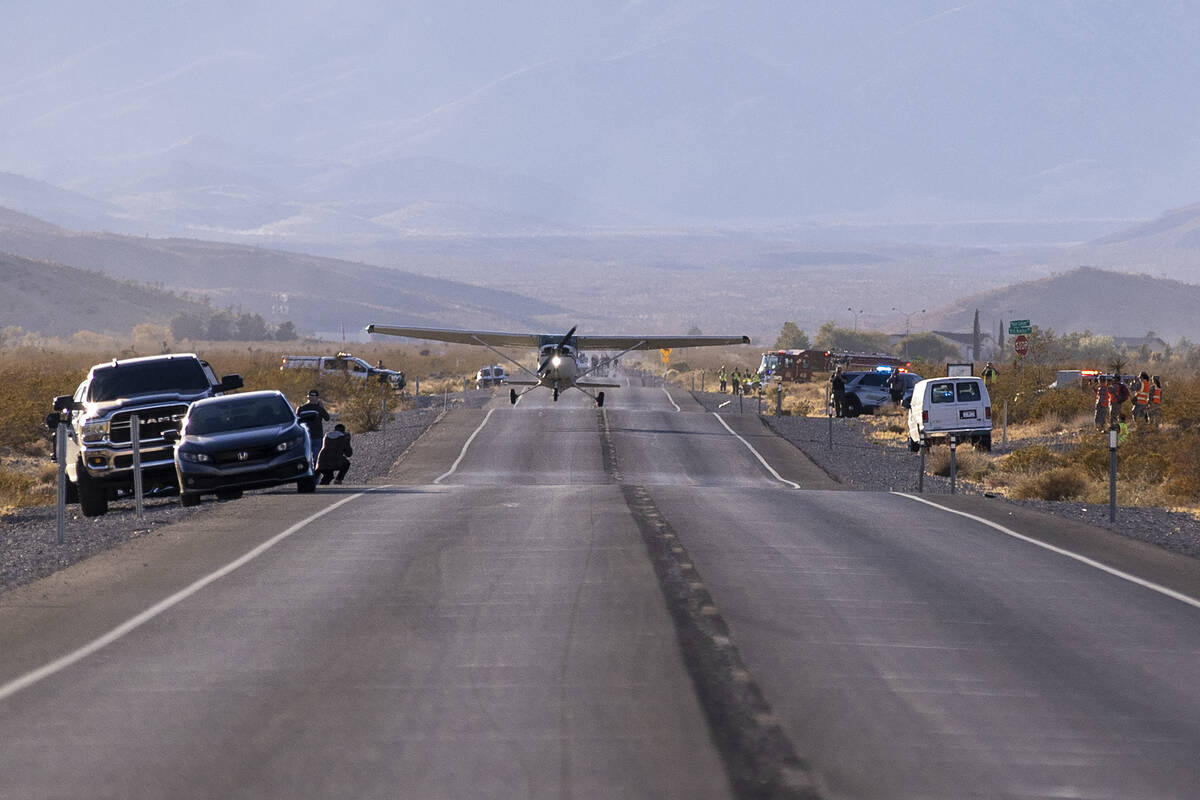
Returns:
<point x="791" y="338"/>
<point x="251" y="327"/>
<point x="831" y="337"/>
<point x="927" y="347"/>
<point x="221" y="326"/>
<point x="187" y="326"/>
<point x="286" y="332"/>
<point x="976" y="338"/>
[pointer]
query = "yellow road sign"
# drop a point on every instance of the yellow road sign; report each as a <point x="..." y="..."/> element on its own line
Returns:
<point x="666" y="354"/>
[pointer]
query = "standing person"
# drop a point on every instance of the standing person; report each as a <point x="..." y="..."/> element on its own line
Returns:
<point x="1141" y="397"/>
<point x="334" y="459"/>
<point x="837" y="386"/>
<point x="1122" y="430"/>
<point x="315" y="425"/>
<point x="1155" y="399"/>
<point x="737" y="382"/>
<point x="1101" y="402"/>
<point x="895" y="384"/>
<point x="721" y="377"/>
<point x="1118" y="393"/>
<point x="989" y="376"/>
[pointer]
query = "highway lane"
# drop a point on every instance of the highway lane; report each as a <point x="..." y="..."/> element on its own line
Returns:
<point x="501" y="633"/>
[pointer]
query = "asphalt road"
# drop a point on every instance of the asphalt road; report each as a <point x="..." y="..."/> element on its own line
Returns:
<point x="646" y="601"/>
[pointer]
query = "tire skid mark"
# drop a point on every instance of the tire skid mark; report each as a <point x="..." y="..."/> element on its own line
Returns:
<point x="759" y="757"/>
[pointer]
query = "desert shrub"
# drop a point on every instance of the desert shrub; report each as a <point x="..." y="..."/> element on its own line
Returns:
<point x="797" y="406"/>
<point x="1183" y="473"/>
<point x="1061" y="404"/>
<point x="968" y="462"/>
<point x="18" y="489"/>
<point x="1059" y="483"/>
<point x="1029" y="459"/>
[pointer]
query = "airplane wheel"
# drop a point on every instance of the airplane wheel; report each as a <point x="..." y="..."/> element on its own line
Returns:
<point x="512" y="396"/>
<point x="600" y="400"/>
<point x="556" y="394"/>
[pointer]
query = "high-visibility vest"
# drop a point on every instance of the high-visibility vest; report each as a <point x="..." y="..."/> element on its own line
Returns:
<point x="1142" y="395"/>
<point x="1102" y="396"/>
<point x="1156" y="396"/>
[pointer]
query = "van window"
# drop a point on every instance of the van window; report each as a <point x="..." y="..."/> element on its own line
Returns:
<point x="968" y="392"/>
<point x="942" y="392"/>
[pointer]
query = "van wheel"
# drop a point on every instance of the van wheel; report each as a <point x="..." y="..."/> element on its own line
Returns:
<point x="93" y="500"/>
<point x="853" y="406"/>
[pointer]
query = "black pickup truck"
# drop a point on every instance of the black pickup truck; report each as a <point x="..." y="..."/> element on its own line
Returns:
<point x="99" y="447"/>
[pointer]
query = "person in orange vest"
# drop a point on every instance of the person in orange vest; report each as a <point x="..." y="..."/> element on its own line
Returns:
<point x="1141" y="397"/>
<point x="1118" y="393"/>
<point x="1155" y="399"/>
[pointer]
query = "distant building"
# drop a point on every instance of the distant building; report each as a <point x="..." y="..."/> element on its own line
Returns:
<point x="1152" y="344"/>
<point x="964" y="341"/>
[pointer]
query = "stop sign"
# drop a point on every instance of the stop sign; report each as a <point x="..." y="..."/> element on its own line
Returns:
<point x="1021" y="344"/>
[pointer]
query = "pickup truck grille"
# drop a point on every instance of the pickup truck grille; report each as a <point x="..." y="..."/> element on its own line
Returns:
<point x="154" y="421"/>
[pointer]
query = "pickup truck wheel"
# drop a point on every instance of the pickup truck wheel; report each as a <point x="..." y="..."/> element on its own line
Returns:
<point x="189" y="499"/>
<point x="93" y="501"/>
<point x="853" y="406"/>
<point x="306" y="485"/>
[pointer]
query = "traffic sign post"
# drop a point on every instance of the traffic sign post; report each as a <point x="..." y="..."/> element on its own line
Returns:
<point x="1021" y="345"/>
<point x="1017" y="326"/>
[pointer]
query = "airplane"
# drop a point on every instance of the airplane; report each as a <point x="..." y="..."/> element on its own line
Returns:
<point x="557" y="369"/>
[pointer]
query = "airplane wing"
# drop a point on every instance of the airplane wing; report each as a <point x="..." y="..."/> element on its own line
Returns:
<point x="456" y="336"/>
<point x="655" y="342"/>
<point x="501" y="339"/>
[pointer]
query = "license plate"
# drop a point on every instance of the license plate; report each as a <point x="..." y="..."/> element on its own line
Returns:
<point x="967" y="414"/>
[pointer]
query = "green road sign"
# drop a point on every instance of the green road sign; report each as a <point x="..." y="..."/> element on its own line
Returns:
<point x="1016" y="326"/>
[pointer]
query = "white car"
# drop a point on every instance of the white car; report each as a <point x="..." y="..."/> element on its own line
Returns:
<point x="945" y="407"/>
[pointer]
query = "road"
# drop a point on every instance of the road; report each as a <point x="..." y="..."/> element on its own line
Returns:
<point x="646" y="601"/>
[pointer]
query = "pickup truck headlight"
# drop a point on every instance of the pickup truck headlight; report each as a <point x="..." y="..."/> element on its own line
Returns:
<point x="94" y="431"/>
<point x="195" y="458"/>
<point x="290" y="444"/>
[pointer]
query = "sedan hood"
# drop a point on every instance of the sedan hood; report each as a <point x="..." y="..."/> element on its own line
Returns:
<point x="243" y="437"/>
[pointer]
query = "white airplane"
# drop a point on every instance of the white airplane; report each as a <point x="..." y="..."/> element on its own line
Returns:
<point x="557" y="369"/>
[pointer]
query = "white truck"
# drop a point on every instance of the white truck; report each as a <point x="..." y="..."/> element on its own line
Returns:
<point x="344" y="364"/>
<point x="950" y="406"/>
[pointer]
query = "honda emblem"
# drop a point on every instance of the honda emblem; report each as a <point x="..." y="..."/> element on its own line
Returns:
<point x="243" y="455"/>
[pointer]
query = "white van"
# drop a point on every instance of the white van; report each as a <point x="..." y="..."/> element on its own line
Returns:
<point x="952" y="406"/>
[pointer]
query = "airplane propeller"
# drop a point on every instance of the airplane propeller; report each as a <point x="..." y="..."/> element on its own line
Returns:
<point x="560" y="348"/>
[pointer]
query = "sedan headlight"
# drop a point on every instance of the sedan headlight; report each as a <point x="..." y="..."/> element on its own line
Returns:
<point x="195" y="458"/>
<point x="290" y="444"/>
<point x="94" y="431"/>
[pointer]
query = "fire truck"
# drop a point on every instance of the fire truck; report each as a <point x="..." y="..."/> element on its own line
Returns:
<point x="801" y="365"/>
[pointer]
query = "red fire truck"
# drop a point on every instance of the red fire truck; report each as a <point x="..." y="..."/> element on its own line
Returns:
<point x="802" y="365"/>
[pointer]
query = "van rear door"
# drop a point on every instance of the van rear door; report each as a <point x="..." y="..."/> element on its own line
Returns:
<point x="942" y="408"/>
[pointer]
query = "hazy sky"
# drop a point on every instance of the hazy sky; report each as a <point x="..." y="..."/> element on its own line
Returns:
<point x="665" y="110"/>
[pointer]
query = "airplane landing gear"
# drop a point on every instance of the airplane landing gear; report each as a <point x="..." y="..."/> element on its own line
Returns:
<point x="512" y="396"/>
<point x="600" y="399"/>
<point x="556" y="391"/>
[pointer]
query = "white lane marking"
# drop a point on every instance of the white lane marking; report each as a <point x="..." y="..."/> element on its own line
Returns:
<point x="463" y="452"/>
<point x="757" y="455"/>
<point x="668" y="394"/>
<point x="1154" y="587"/>
<point x="30" y="678"/>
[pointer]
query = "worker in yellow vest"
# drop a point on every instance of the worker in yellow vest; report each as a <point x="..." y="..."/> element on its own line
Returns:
<point x="722" y="377"/>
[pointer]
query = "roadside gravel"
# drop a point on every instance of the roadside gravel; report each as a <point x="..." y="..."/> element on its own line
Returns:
<point x="858" y="463"/>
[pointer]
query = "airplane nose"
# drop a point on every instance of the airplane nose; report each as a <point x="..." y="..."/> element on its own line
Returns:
<point x="556" y="361"/>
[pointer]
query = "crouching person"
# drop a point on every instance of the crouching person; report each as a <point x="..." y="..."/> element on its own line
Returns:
<point x="333" y="462"/>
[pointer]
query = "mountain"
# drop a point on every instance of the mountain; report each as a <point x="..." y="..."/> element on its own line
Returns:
<point x="315" y="293"/>
<point x="57" y="300"/>
<point x="1084" y="299"/>
<point x="184" y="118"/>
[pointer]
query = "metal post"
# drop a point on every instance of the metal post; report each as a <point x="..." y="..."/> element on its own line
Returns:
<point x="1004" y="440"/>
<point x="1112" y="474"/>
<point x="445" y="398"/>
<point x="135" y="436"/>
<point x="921" y="474"/>
<point x="417" y="393"/>
<point x="779" y="399"/>
<point x="741" y="394"/>
<point x="702" y="380"/>
<point x="60" y="455"/>
<point x="383" y="407"/>
<point x="829" y="413"/>
<point x="953" y="447"/>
